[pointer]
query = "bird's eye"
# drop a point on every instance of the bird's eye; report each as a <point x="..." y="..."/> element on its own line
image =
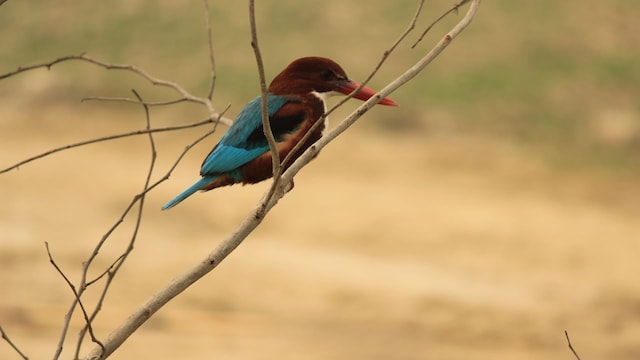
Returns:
<point x="327" y="75"/>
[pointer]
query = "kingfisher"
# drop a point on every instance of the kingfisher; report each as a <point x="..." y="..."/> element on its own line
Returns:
<point x="295" y="102"/>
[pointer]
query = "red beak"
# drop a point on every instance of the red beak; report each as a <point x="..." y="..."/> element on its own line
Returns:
<point x="364" y="94"/>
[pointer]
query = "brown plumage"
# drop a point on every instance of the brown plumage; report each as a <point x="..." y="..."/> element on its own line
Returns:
<point x="295" y="103"/>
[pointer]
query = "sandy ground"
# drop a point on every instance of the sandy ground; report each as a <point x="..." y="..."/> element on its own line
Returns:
<point x="390" y="247"/>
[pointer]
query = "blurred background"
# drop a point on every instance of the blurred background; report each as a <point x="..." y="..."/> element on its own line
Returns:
<point x="495" y="208"/>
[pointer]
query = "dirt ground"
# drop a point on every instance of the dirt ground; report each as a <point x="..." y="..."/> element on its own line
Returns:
<point x="390" y="247"/>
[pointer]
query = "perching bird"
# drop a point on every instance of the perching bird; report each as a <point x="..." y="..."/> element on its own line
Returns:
<point x="296" y="100"/>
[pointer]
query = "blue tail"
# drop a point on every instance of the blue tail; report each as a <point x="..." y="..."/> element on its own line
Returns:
<point x="199" y="185"/>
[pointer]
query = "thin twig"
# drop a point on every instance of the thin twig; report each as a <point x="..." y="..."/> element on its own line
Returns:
<point x="182" y="282"/>
<point x="101" y="354"/>
<point x="110" y="271"/>
<point x="385" y="56"/>
<point x="6" y="337"/>
<point x="453" y="9"/>
<point x="140" y="195"/>
<point x="106" y="271"/>
<point x="566" y="334"/>
<point x="412" y="72"/>
<point x="126" y="67"/>
<point x="212" y="59"/>
<point x="285" y="163"/>
<point x="276" y="168"/>
<point x="122" y="258"/>
<point x="77" y="299"/>
<point x="107" y="138"/>
<point x="133" y="101"/>
<point x="84" y="283"/>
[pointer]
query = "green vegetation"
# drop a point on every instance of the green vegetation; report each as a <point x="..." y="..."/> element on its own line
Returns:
<point x="546" y="72"/>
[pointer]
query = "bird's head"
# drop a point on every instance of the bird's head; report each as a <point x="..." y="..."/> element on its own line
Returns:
<point x="321" y="75"/>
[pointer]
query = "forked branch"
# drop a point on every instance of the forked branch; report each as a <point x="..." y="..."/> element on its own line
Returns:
<point x="109" y="273"/>
<point x="182" y="282"/>
<point x="184" y="94"/>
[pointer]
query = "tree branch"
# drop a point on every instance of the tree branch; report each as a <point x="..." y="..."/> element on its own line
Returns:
<point x="412" y="72"/>
<point x="113" y="269"/>
<point x="266" y="125"/>
<point x="455" y="8"/>
<point x="4" y="335"/>
<point x="212" y="60"/>
<point x="67" y="320"/>
<point x="126" y="67"/>
<point x="182" y="282"/>
<point x="566" y="334"/>
<point x="133" y="101"/>
<point x="385" y="56"/>
<point x="107" y="138"/>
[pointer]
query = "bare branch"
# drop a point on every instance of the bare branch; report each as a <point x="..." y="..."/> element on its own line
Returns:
<point x="453" y="9"/>
<point x="212" y="59"/>
<point x="107" y="271"/>
<point x="6" y="337"/>
<point x="266" y="126"/>
<point x="77" y="299"/>
<point x="107" y="138"/>
<point x="566" y="334"/>
<point x="385" y="55"/>
<point x="133" y="101"/>
<point x="177" y="286"/>
<point x="113" y="269"/>
<point x="140" y="196"/>
<point x="312" y="151"/>
<point x="126" y="67"/>
<point x="182" y="282"/>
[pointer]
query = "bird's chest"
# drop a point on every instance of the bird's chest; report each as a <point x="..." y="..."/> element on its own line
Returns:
<point x="320" y="107"/>
<point x="310" y="130"/>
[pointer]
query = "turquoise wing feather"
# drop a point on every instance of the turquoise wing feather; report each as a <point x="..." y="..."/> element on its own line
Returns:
<point x="237" y="146"/>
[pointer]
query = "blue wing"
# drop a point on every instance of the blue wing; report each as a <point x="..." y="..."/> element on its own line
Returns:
<point x="239" y="145"/>
<point x="245" y="140"/>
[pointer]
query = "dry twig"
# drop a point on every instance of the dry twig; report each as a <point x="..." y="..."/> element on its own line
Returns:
<point x="107" y="138"/>
<point x="182" y="282"/>
<point x="266" y="125"/>
<point x="5" y="337"/>
<point x="453" y="9"/>
<point x="212" y="59"/>
<point x="399" y="81"/>
<point x="112" y="270"/>
<point x="268" y="201"/>
<point x="566" y="334"/>
<point x="76" y="295"/>
<point x="384" y="58"/>
<point x="185" y="95"/>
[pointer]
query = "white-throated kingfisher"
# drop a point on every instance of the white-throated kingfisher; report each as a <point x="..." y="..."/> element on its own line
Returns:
<point x="296" y="101"/>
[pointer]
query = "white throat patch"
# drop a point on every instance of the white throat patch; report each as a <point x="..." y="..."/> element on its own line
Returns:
<point x="323" y="97"/>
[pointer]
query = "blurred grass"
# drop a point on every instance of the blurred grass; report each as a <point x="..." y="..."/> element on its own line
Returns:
<point x="560" y="77"/>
